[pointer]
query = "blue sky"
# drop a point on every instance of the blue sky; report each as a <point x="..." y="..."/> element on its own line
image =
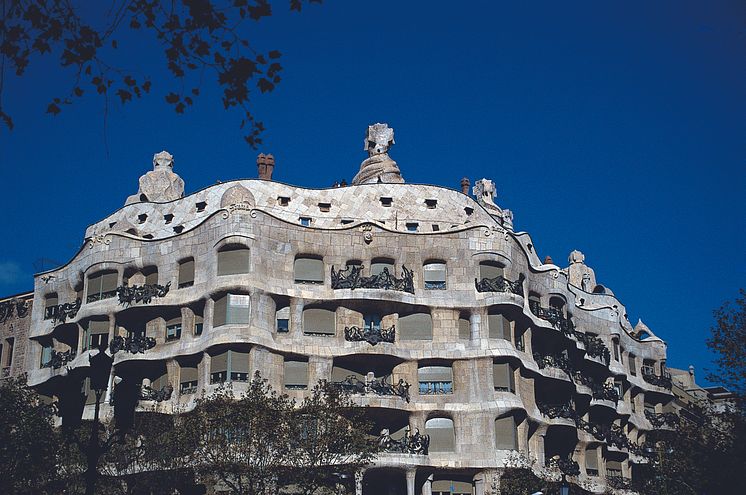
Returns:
<point x="615" y="128"/>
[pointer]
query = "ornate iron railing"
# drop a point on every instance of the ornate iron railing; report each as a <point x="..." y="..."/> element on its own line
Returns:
<point x="619" y="482"/>
<point x="553" y="411"/>
<point x="5" y="372"/>
<point x="662" y="419"/>
<point x="554" y="361"/>
<point x="553" y="316"/>
<point x="594" y="346"/>
<point x="149" y="393"/>
<point x="59" y="359"/>
<point x="351" y="278"/>
<point x="663" y="380"/>
<point x="100" y="296"/>
<point x="500" y="284"/>
<point x="59" y="313"/>
<point x="605" y="392"/>
<point x="141" y="293"/>
<point x="377" y="386"/>
<point x="566" y="466"/>
<point x="370" y="334"/>
<point x="134" y="345"/>
<point x="409" y="444"/>
<point x="11" y="306"/>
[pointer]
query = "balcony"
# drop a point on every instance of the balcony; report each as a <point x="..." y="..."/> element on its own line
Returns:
<point x="141" y="293"/>
<point x="409" y="444"/>
<point x="500" y="284"/>
<point x="351" y="278"/>
<point x="558" y="361"/>
<point x="59" y="313"/>
<point x="619" y="482"/>
<point x="376" y="386"/>
<point x="552" y="411"/>
<point x="554" y="316"/>
<point x="59" y="359"/>
<point x="17" y="306"/>
<point x="187" y="388"/>
<point x="372" y="334"/>
<point x="663" y="380"/>
<point x="594" y="346"/>
<point x="100" y="296"/>
<point x="436" y="388"/>
<point x="149" y="393"/>
<point x="137" y="344"/>
<point x="659" y="420"/>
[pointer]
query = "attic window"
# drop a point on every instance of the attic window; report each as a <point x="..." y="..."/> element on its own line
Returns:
<point x="305" y="221"/>
<point x="347" y="221"/>
<point x="142" y="217"/>
<point x="468" y="210"/>
<point x="168" y="217"/>
<point x="431" y="203"/>
<point x="436" y="227"/>
<point x="283" y="200"/>
<point x="179" y="229"/>
<point x="148" y="236"/>
<point x="325" y="207"/>
<point x="201" y="206"/>
<point x="112" y="224"/>
<point x="386" y="202"/>
<point x="412" y="226"/>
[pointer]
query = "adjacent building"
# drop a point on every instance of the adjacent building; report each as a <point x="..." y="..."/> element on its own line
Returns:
<point x="471" y="352"/>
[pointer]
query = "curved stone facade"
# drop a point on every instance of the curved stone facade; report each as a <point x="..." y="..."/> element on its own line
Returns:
<point x="378" y="287"/>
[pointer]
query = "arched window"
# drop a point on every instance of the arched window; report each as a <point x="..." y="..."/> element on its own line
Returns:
<point x="434" y="275"/>
<point x="231" y="309"/>
<point x="378" y="264"/>
<point x="318" y="321"/>
<point x="102" y="285"/>
<point x="415" y="326"/>
<point x="308" y="270"/>
<point x="506" y="433"/>
<point x="490" y="269"/>
<point x="50" y="306"/>
<point x="442" y="436"/>
<point x="186" y="273"/>
<point x="233" y="260"/>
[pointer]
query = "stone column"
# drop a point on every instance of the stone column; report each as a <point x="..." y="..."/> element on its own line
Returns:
<point x="411" y="474"/>
<point x="359" y="482"/>
<point x="427" y="488"/>
<point x="207" y="316"/>
<point x="296" y="316"/>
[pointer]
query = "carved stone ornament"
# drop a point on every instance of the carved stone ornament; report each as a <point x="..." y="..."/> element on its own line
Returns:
<point x="378" y="167"/>
<point x="102" y="239"/>
<point x="576" y="257"/>
<point x="160" y="184"/>
<point x="367" y="231"/>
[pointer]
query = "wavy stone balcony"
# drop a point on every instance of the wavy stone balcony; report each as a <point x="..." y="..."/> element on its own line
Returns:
<point x="351" y="278"/>
<point x="663" y="380"/>
<point x="660" y="420"/>
<point x="372" y="334"/>
<point x="500" y="284"/>
<point x="554" y="316"/>
<point x="137" y="344"/>
<point x="59" y="359"/>
<point x="409" y="444"/>
<point x="59" y="313"/>
<point x="141" y="293"/>
<point x="376" y="386"/>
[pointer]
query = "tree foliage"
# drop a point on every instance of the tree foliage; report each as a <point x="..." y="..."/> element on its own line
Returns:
<point x="728" y="341"/>
<point x="197" y="37"/>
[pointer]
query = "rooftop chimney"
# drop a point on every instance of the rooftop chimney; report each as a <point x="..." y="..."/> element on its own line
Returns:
<point x="548" y="260"/>
<point x="265" y="165"/>
<point x="465" y="185"/>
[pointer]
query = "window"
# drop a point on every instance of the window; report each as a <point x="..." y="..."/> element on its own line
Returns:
<point x="614" y="469"/>
<point x="434" y="275"/>
<point x="308" y="270"/>
<point x="412" y="226"/>
<point x="317" y="321"/>
<point x="346" y="221"/>
<point x="46" y="353"/>
<point x="464" y="328"/>
<point x="10" y="345"/>
<point x="151" y="275"/>
<point x="416" y="326"/>
<point x="615" y="343"/>
<point x="179" y="229"/>
<point x="499" y="326"/>
<point x="189" y="380"/>
<point x="378" y="264"/>
<point x="468" y="211"/>
<point x="142" y="218"/>
<point x="50" y="306"/>
<point x="173" y="329"/>
<point x="168" y="217"/>
<point x="503" y="377"/>
<point x="283" y="200"/>
<point x="506" y="433"/>
<point x="233" y="260"/>
<point x="199" y="325"/>
<point x="229" y="366"/>
<point x="431" y="203"/>
<point x="386" y="202"/>
<point x="201" y="206"/>
<point x="325" y="207"/>
<point x="436" y="227"/>
<point x="435" y="380"/>
<point x="102" y="285"/>
<point x="632" y="365"/>
<point x="490" y="269"/>
<point x="283" y="319"/>
<point x="96" y="335"/>
<point x="442" y="437"/>
<point x="591" y="461"/>
<point x="619" y="388"/>
<point x="231" y="309"/>
<point x="296" y="374"/>
<point x="186" y="273"/>
<point x="305" y="221"/>
<point x="372" y="321"/>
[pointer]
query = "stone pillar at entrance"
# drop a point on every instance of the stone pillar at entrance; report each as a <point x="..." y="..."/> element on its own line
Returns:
<point x="411" y="473"/>
<point x="427" y="488"/>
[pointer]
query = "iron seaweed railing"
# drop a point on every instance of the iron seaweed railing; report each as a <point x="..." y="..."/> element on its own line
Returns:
<point x="352" y="278"/>
<point x="370" y="334"/>
<point x="409" y="444"/>
<point x="500" y="284"/>
<point x="377" y="386"/>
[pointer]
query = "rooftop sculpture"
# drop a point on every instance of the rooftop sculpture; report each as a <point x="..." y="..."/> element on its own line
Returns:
<point x="378" y="167"/>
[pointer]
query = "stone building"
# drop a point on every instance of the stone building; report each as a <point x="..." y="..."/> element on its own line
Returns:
<point x="471" y="352"/>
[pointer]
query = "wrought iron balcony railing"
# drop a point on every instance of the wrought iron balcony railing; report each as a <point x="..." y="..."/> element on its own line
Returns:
<point x="663" y="380"/>
<point x="500" y="284"/>
<point x="149" y="393"/>
<point x="558" y="361"/>
<point x="619" y="482"/>
<point x="371" y="334"/>
<point x="566" y="466"/>
<point x="377" y="386"/>
<point x="59" y="313"/>
<point x="605" y="392"/>
<point x="408" y="444"/>
<point x="141" y="293"/>
<point x="436" y="388"/>
<point x="11" y="306"/>
<point x="659" y="420"/>
<point x="59" y="359"/>
<point x="594" y="346"/>
<point x="134" y="345"/>
<point x="555" y="316"/>
<point x="552" y="411"/>
<point x="100" y="296"/>
<point x="351" y="278"/>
